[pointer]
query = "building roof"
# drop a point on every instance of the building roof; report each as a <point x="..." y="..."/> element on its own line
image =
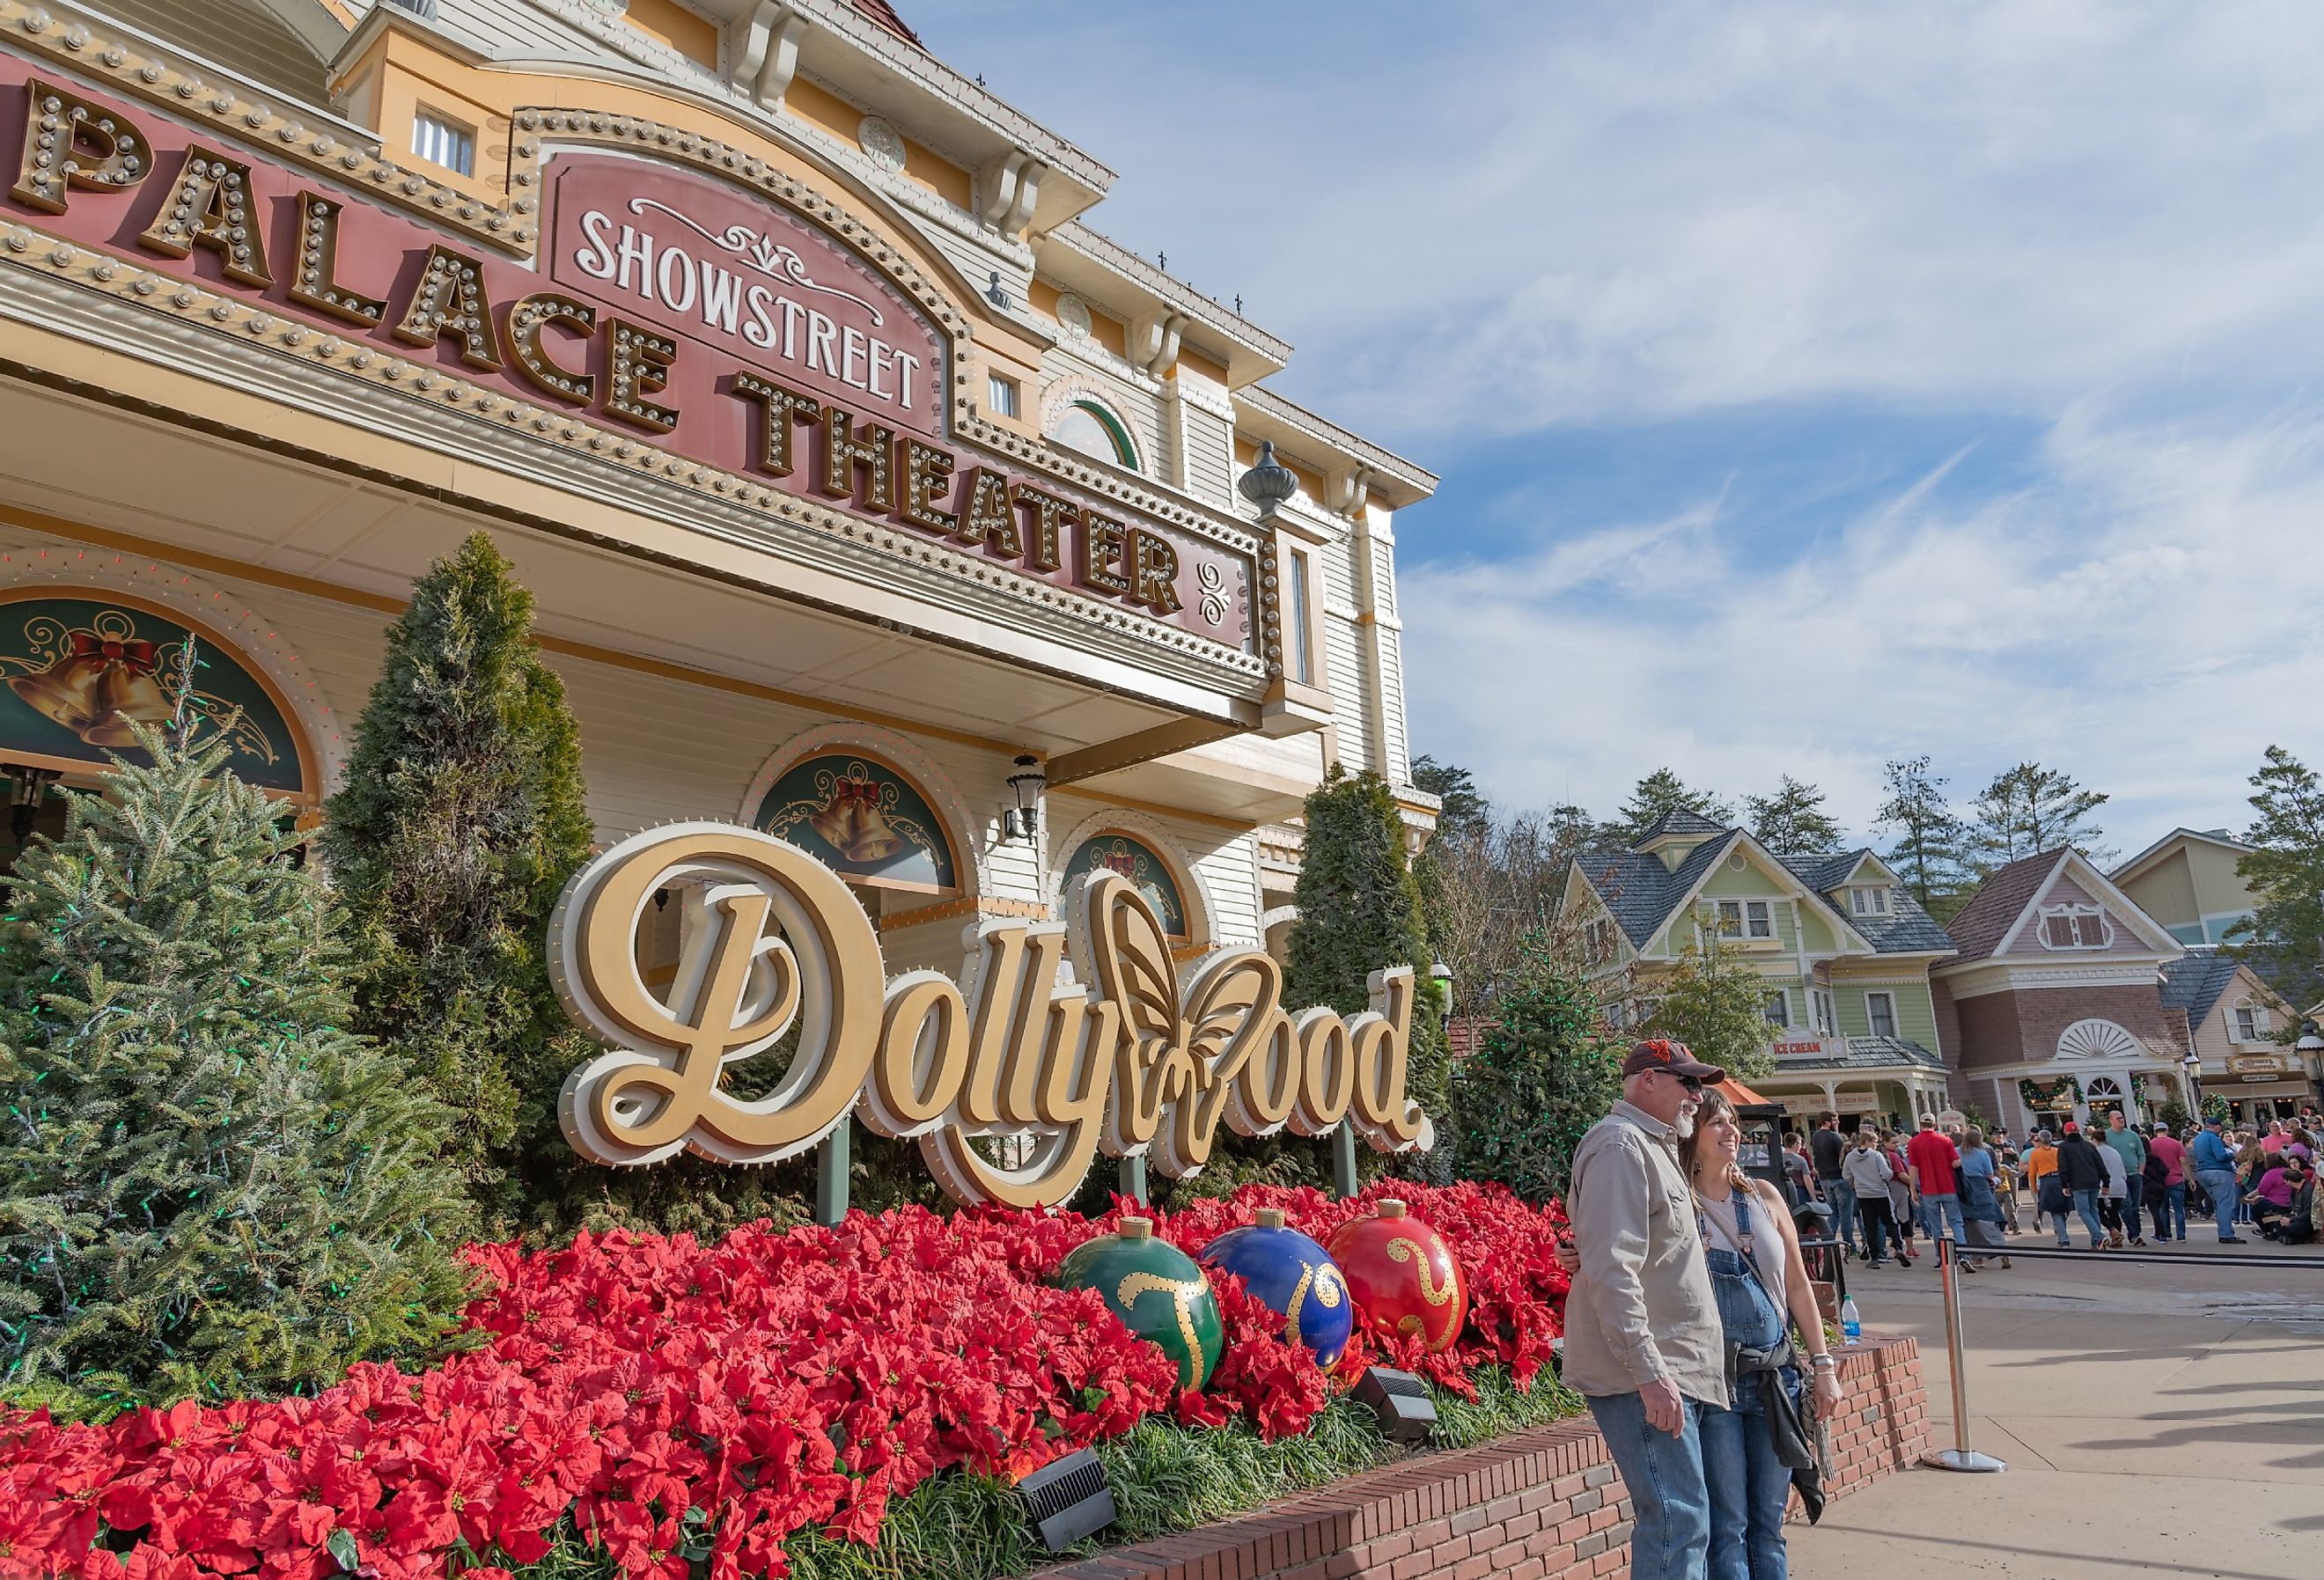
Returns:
<point x="1676" y="821"/>
<point x="1906" y="930"/>
<point x="880" y="12"/>
<point x="2137" y="864"/>
<point x="1977" y="931"/>
<point x="2195" y="980"/>
<point x="1636" y="888"/>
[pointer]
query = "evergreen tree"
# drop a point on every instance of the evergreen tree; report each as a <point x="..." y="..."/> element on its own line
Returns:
<point x="1715" y="1004"/>
<point x="2031" y="808"/>
<point x="1793" y="822"/>
<point x="461" y="818"/>
<point x="1546" y="1072"/>
<point x="1664" y="791"/>
<point x="208" y="1186"/>
<point x="1360" y="911"/>
<point x="2284" y="940"/>
<point x="1465" y="814"/>
<point x="1928" y="836"/>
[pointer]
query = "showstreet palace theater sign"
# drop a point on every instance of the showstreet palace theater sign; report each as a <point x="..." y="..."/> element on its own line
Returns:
<point x="1124" y="1060"/>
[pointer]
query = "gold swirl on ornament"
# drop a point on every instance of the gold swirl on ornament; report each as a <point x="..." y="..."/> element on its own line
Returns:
<point x="1182" y="1302"/>
<point x="1409" y="1250"/>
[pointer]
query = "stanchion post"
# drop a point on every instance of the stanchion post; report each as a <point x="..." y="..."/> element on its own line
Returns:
<point x="1960" y="1455"/>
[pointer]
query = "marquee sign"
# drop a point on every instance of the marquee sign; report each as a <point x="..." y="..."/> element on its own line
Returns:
<point x="1116" y="1055"/>
<point x="685" y="315"/>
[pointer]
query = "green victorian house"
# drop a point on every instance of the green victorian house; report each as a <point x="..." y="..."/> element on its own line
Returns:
<point x="1844" y="952"/>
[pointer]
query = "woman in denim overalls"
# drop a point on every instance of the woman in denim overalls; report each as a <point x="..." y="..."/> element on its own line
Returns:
<point x="1749" y="1485"/>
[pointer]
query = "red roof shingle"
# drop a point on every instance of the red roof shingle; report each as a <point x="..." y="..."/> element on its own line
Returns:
<point x="1994" y="909"/>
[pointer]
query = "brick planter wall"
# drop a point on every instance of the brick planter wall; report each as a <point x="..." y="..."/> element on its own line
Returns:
<point x="1542" y="1505"/>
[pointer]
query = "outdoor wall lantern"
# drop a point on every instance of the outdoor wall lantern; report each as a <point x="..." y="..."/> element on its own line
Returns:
<point x="1023" y="820"/>
<point x="26" y="787"/>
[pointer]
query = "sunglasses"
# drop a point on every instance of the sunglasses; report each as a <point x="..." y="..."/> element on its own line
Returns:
<point x="1692" y="1082"/>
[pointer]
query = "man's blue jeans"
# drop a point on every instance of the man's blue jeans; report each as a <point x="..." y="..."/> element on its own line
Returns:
<point x="2170" y="1214"/>
<point x="1663" y="1473"/>
<point x="2086" y="1203"/>
<point x="2222" y="1187"/>
<point x="2134" y="1193"/>
<point x="1945" y="1208"/>
<point x="1842" y="1198"/>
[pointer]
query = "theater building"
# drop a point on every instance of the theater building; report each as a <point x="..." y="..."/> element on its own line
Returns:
<point x="869" y="494"/>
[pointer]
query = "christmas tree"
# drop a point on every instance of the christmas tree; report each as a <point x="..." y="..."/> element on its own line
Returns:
<point x="1547" y="1070"/>
<point x="461" y="817"/>
<point x="208" y="1185"/>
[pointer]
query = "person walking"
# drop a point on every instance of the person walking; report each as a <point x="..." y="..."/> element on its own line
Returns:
<point x="1643" y="1344"/>
<point x="1868" y="1175"/>
<point x="2215" y="1171"/>
<point x="2081" y="1174"/>
<point x="2007" y="1160"/>
<point x="1934" y="1159"/>
<point x="2111" y="1195"/>
<point x="2168" y="1204"/>
<point x="1900" y="1192"/>
<point x="1980" y="1202"/>
<point x="1827" y="1151"/>
<point x="1763" y="1292"/>
<point x="2131" y="1148"/>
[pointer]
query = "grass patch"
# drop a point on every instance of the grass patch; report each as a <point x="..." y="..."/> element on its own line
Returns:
<point x="1165" y="1479"/>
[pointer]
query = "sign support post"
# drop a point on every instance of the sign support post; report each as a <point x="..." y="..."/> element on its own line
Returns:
<point x="830" y="1174"/>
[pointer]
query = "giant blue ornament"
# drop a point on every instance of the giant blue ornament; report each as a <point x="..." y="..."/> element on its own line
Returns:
<point x="1295" y="1276"/>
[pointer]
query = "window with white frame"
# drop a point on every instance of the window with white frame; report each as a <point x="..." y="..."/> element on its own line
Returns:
<point x="1777" y="1009"/>
<point x="1868" y="901"/>
<point x="1880" y="1009"/>
<point x="2252" y="1021"/>
<point x="1303" y="636"/>
<point x="1002" y="395"/>
<point x="1826" y="1023"/>
<point x="440" y="140"/>
<point x="1746" y="919"/>
<point x="1598" y="937"/>
<point x="2075" y="926"/>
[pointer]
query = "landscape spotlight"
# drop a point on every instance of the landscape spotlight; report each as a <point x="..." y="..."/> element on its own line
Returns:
<point x="1067" y="1499"/>
<point x="1401" y="1402"/>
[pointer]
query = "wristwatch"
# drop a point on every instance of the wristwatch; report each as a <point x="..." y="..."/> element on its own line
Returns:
<point x="1824" y="1361"/>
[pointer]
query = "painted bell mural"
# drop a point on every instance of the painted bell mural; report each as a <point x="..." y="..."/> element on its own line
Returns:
<point x="863" y="819"/>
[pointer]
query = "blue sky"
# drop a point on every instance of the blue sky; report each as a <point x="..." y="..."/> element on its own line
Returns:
<point x="1811" y="384"/>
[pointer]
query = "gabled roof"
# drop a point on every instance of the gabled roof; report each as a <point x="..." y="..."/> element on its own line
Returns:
<point x="1676" y="821"/>
<point x="1906" y="930"/>
<point x="1977" y="931"/>
<point x="2195" y="980"/>
<point x="1640" y="893"/>
<point x="2160" y="848"/>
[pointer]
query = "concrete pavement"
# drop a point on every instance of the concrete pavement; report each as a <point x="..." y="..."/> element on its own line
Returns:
<point x="2163" y="1417"/>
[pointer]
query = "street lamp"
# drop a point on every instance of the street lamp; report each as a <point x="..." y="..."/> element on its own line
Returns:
<point x="1023" y="820"/>
<point x="2193" y="1065"/>
<point x="2310" y="1047"/>
<point x="1441" y="975"/>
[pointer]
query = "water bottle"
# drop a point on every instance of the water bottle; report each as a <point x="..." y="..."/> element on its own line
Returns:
<point x="1851" y="1326"/>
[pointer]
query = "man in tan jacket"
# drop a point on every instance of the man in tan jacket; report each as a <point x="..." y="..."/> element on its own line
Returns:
<point x="1643" y="1339"/>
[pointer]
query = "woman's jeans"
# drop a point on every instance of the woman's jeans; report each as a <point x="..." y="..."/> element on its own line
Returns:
<point x="1872" y="1211"/>
<point x="1749" y="1487"/>
<point x="1670" y="1504"/>
<point x="2219" y="1184"/>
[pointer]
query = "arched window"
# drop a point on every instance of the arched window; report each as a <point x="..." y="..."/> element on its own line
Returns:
<point x="1088" y="427"/>
<point x="863" y="818"/>
<point x="1142" y="864"/>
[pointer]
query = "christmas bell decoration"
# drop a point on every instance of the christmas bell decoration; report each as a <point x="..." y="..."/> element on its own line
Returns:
<point x="1296" y="1277"/>
<point x="854" y="824"/>
<point x="64" y="692"/>
<point x="1157" y="1290"/>
<point x="125" y="695"/>
<point x="1403" y="1276"/>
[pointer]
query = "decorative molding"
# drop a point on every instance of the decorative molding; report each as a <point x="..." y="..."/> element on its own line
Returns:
<point x="902" y="754"/>
<point x="1983" y="977"/>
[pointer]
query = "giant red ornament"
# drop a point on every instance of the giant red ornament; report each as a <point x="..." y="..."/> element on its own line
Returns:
<point x="1403" y="1276"/>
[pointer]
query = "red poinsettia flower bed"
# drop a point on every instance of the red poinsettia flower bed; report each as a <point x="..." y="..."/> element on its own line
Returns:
<point x="672" y="1396"/>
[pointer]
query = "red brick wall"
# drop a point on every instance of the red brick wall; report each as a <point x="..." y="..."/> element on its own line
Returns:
<point x="2023" y="1024"/>
<point x="1544" y="1505"/>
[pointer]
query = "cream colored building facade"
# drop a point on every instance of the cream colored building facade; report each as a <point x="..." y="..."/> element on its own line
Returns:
<point x="838" y="447"/>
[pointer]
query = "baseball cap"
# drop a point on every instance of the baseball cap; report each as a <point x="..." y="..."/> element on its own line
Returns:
<point x="1672" y="1057"/>
<point x="2213" y="1122"/>
<point x="2072" y="1129"/>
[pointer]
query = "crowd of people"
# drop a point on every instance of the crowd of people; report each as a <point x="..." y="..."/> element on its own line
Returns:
<point x="2109" y="1177"/>
<point x="1693" y="1330"/>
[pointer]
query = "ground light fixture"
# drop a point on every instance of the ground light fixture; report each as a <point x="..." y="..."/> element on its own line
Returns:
<point x="1067" y="1499"/>
<point x="1400" y="1401"/>
<point x="1023" y="820"/>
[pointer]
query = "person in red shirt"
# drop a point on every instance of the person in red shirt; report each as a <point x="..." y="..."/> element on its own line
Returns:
<point x="1936" y="1162"/>
<point x="2171" y="1203"/>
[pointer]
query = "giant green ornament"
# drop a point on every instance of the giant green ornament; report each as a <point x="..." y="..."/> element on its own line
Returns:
<point x="1157" y="1290"/>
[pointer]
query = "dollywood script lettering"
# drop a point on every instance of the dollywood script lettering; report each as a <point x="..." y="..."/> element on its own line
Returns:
<point x="1117" y="1055"/>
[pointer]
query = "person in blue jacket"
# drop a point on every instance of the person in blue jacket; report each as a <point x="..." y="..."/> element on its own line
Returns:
<point x="2215" y="1171"/>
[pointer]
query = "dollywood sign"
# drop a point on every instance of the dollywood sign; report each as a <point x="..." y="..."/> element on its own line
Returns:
<point x="1115" y="1055"/>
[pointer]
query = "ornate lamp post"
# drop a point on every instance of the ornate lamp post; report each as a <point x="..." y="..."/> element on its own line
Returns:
<point x="2192" y="1064"/>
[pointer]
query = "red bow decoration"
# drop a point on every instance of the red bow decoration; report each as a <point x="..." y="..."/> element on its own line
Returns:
<point x="856" y="790"/>
<point x="136" y="654"/>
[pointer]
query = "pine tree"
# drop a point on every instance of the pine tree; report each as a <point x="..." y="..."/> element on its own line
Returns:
<point x="2028" y="810"/>
<point x="1664" y="791"/>
<point x="1360" y="911"/>
<point x="1546" y="1072"/>
<point x="461" y="818"/>
<point x="2284" y="940"/>
<point x="208" y="1186"/>
<point x="1929" y="837"/>
<point x="1793" y="822"/>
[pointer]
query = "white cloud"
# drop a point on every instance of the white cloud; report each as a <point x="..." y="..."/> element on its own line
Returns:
<point x="2141" y="620"/>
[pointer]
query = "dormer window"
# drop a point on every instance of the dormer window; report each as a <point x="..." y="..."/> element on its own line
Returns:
<point x="2075" y="926"/>
<point x="2252" y="1022"/>
<point x="1867" y="901"/>
<point x="1746" y="919"/>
